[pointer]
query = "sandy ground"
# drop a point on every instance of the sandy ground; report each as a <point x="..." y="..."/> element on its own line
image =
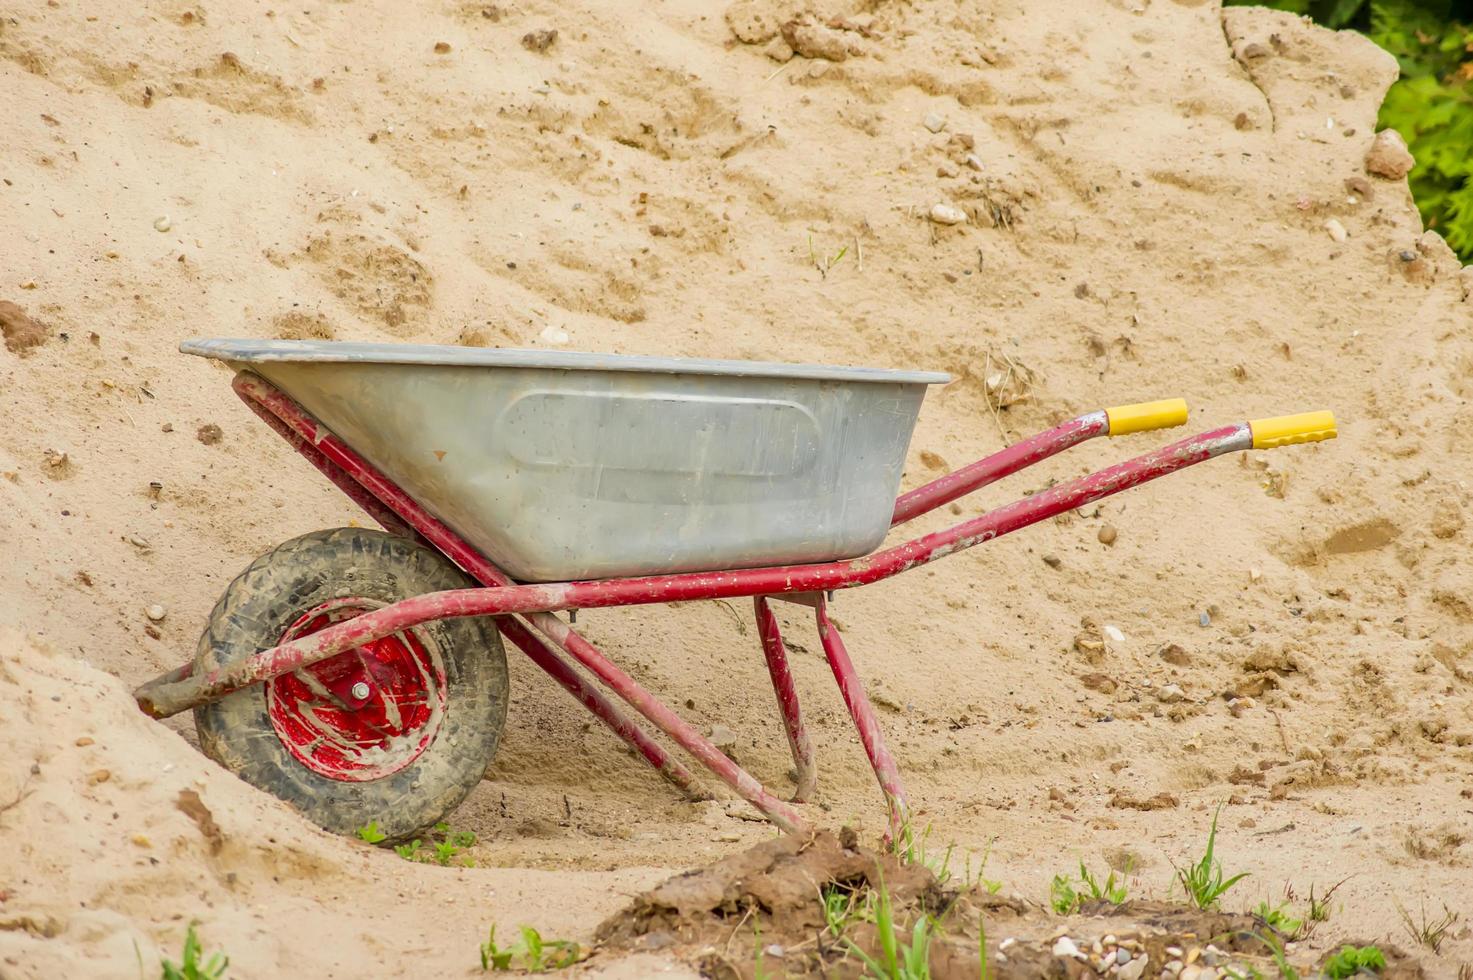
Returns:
<point x="1146" y="217"/>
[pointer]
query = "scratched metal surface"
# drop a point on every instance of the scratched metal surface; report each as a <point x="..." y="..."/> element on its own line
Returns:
<point x="615" y="467"/>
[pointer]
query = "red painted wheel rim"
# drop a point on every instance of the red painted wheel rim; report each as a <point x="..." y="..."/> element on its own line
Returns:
<point x="363" y="714"/>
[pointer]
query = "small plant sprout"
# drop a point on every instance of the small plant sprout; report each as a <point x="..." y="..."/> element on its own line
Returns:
<point x="1279" y="918"/>
<point x="493" y="957"/>
<point x="1203" y="881"/>
<point x="541" y="955"/>
<point x="825" y="263"/>
<point x="897" y="959"/>
<point x="532" y="954"/>
<point x="1426" y="930"/>
<point x="440" y="852"/>
<point x="838" y="909"/>
<point x="1065" y="899"/>
<point x="190" y="966"/>
<point x="1354" y="961"/>
<point x="984" y="970"/>
<point x="914" y="850"/>
<point x="1276" y="950"/>
<point x="370" y="833"/>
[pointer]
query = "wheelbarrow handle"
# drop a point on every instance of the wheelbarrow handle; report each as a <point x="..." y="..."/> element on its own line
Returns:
<point x="1287" y="430"/>
<point x="1118" y="421"/>
<point x="1146" y="416"/>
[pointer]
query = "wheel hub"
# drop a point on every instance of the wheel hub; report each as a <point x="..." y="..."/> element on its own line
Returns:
<point x="363" y="714"/>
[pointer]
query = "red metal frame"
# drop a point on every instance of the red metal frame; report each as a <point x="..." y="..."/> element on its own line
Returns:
<point x="178" y="690"/>
<point x="805" y="772"/>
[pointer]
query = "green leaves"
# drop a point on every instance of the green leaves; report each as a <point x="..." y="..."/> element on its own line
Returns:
<point x="533" y="954"/>
<point x="1203" y="881"/>
<point x="190" y="966"/>
<point x="370" y="833"/>
<point x="1353" y="961"/>
<point x="1064" y="898"/>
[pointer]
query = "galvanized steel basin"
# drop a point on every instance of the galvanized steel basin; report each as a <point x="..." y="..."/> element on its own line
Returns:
<point x="562" y="466"/>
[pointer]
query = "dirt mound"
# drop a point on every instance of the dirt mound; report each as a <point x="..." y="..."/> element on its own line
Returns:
<point x="818" y="906"/>
<point x="118" y="834"/>
<point x="1066" y="206"/>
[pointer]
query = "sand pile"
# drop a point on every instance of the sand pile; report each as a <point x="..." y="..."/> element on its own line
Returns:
<point x="1066" y="206"/>
<point x="118" y="834"/>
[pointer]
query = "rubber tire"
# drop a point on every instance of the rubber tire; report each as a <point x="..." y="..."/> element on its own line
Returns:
<point x="267" y="598"/>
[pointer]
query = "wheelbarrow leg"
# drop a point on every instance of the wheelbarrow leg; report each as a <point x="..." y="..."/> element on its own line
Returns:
<point x="787" y="700"/>
<point x="864" y="720"/>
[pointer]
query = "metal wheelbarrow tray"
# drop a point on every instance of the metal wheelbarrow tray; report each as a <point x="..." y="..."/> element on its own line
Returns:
<point x="350" y="672"/>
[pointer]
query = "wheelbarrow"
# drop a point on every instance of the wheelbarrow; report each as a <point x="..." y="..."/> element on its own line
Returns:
<point x="359" y="675"/>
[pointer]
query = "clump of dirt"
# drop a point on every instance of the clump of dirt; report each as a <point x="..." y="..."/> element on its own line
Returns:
<point x="761" y="912"/>
<point x="20" y="331"/>
<point x="772" y="896"/>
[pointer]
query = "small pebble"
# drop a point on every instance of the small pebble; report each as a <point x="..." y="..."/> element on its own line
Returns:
<point x="974" y="161"/>
<point x="162" y="223"/>
<point x="1008" y="943"/>
<point x="722" y="737"/>
<point x="945" y="214"/>
<point x="1107" y="534"/>
<point x="1065" y="947"/>
<point x="1204" y="618"/>
<point x="1134" y="969"/>
<point x="1255" y="573"/>
<point x="83" y="741"/>
<point x="1336" y="230"/>
<point x="1174" y="952"/>
<point x="1113" y="634"/>
<point x="1170" y="694"/>
<point x="1122" y="956"/>
<point x="1192" y="955"/>
<point x="1097" y="947"/>
<point x="1388" y="156"/>
<point x="934" y="122"/>
<point x="1052" y="561"/>
<point x="156" y="613"/>
<point x="100" y="776"/>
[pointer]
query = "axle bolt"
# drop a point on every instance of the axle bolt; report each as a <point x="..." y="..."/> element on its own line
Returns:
<point x="360" y="691"/>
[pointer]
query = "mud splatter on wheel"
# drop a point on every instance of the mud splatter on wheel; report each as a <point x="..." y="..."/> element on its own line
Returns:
<point x="396" y="731"/>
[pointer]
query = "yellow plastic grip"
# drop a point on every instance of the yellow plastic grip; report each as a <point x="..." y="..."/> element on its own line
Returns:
<point x="1286" y="430"/>
<point x="1147" y="416"/>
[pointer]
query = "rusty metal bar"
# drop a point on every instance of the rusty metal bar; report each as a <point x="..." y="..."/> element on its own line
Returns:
<point x="787" y="700"/>
<point x="1020" y="455"/>
<point x="863" y="713"/>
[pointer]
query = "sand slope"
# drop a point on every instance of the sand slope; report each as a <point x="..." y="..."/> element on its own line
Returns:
<point x="1149" y="219"/>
